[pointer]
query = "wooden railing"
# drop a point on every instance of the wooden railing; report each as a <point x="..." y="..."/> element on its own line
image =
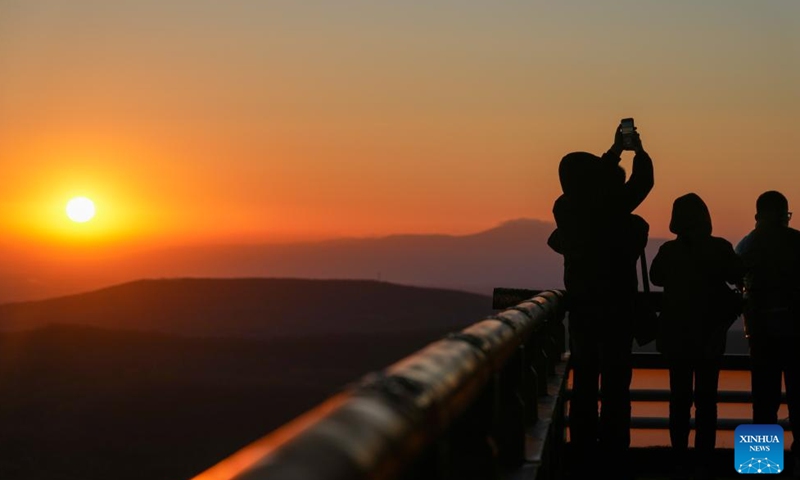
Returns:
<point x="485" y="402"/>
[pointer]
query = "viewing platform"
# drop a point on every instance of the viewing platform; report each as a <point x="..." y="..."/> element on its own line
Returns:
<point x="487" y="402"/>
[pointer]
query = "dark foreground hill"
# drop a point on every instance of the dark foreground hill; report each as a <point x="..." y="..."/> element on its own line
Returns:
<point x="84" y="402"/>
<point x="254" y="307"/>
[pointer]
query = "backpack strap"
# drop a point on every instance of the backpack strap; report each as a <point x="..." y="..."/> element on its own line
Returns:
<point x="645" y="277"/>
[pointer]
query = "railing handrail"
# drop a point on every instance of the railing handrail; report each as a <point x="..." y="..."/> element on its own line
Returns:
<point x="377" y="427"/>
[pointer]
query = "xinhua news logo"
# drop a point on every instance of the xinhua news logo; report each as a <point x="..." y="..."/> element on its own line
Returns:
<point x="759" y="449"/>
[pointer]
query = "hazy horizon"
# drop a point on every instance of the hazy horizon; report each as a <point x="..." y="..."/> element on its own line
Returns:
<point x="513" y="253"/>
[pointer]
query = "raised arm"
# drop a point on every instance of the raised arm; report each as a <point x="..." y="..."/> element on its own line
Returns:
<point x="641" y="180"/>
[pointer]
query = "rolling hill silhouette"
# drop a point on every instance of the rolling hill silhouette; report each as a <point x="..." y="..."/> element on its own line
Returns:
<point x="254" y="308"/>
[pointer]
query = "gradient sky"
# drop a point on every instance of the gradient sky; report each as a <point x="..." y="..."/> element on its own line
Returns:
<point x="245" y="121"/>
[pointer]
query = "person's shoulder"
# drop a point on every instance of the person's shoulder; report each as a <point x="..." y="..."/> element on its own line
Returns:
<point x="745" y="242"/>
<point x="569" y="207"/>
<point x="666" y="254"/>
<point x="637" y="219"/>
<point x="783" y="233"/>
<point x="668" y="246"/>
<point x="560" y="205"/>
<point x="794" y="236"/>
<point x="561" y="201"/>
<point x="721" y="243"/>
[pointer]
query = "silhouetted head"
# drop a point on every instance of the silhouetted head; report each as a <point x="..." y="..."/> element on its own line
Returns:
<point x="690" y="216"/>
<point x="585" y="174"/>
<point x="578" y="173"/>
<point x="772" y="207"/>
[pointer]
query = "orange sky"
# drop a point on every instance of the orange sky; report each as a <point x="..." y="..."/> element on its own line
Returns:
<point x="198" y="121"/>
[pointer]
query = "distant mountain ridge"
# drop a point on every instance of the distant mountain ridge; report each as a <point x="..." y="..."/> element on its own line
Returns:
<point x="255" y="308"/>
<point x="500" y="256"/>
<point x="514" y="254"/>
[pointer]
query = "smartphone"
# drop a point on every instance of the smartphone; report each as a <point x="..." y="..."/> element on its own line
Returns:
<point x="627" y="130"/>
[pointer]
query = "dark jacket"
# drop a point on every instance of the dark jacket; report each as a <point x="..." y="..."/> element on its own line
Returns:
<point x="771" y="256"/>
<point x="694" y="269"/>
<point x="596" y="233"/>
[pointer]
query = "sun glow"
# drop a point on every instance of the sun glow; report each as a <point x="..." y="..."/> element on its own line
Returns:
<point x="80" y="209"/>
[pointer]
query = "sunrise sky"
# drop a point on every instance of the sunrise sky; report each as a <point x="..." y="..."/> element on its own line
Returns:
<point x="248" y="121"/>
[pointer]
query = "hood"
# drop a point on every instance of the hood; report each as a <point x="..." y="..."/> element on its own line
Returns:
<point x="578" y="172"/>
<point x="690" y="216"/>
<point x="583" y="174"/>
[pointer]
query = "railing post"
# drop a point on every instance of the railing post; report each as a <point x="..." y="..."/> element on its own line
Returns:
<point x="468" y="451"/>
<point x="559" y="333"/>
<point x="540" y="362"/>
<point x="530" y="387"/>
<point x="509" y="431"/>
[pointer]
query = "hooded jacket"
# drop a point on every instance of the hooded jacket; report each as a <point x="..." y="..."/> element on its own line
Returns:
<point x="694" y="270"/>
<point x="596" y="233"/>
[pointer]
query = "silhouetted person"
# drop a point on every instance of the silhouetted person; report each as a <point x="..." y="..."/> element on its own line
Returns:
<point x="697" y="310"/>
<point x="601" y="240"/>
<point x="771" y="256"/>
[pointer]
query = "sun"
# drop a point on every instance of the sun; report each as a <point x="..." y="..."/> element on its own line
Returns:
<point x="80" y="209"/>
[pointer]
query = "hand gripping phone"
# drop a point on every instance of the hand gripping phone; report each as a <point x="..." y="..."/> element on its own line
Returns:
<point x="628" y="130"/>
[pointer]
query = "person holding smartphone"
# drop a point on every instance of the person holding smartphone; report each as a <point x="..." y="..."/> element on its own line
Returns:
<point x="601" y="241"/>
